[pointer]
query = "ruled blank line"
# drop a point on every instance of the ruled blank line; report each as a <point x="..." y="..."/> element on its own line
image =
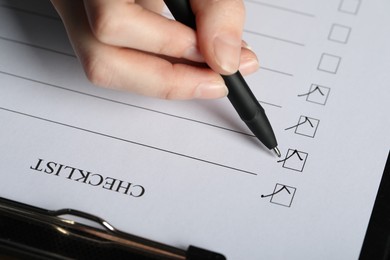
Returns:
<point x="274" y="38"/>
<point x="74" y="56"/>
<point x="127" y="104"/>
<point x="17" y="9"/>
<point x="270" y="104"/>
<point x="37" y="46"/>
<point x="281" y="8"/>
<point x="277" y="71"/>
<point x="115" y="101"/>
<point x="129" y="141"/>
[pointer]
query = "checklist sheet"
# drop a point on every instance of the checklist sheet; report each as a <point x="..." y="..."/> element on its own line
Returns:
<point x="190" y="172"/>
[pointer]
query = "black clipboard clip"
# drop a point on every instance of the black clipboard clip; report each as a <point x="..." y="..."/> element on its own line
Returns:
<point x="35" y="233"/>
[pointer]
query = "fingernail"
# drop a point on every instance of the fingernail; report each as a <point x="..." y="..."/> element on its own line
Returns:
<point x="210" y="90"/>
<point x="248" y="66"/>
<point x="227" y="51"/>
<point x="245" y="45"/>
<point x="193" y="54"/>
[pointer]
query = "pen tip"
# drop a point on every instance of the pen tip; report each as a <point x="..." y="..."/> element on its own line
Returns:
<point x="277" y="152"/>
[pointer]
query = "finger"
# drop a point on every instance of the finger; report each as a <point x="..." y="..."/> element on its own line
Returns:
<point x="149" y="75"/>
<point x="156" y="6"/>
<point x="248" y="60"/>
<point x="126" y="24"/>
<point x="131" y="70"/>
<point x="219" y="32"/>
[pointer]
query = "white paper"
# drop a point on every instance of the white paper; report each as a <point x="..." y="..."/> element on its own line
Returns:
<point x="197" y="175"/>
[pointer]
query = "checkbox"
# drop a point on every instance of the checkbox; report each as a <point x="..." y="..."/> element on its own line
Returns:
<point x="283" y="195"/>
<point x="350" y="6"/>
<point x="307" y="126"/>
<point x="295" y="160"/>
<point x="317" y="94"/>
<point x="329" y="63"/>
<point x="339" y="33"/>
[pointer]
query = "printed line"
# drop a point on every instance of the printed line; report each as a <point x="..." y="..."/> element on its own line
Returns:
<point x="18" y="9"/>
<point x="277" y="71"/>
<point x="281" y="8"/>
<point x="270" y="104"/>
<point x="128" y="141"/>
<point x="125" y="104"/>
<point x="74" y="56"/>
<point x="37" y="46"/>
<point x="275" y="38"/>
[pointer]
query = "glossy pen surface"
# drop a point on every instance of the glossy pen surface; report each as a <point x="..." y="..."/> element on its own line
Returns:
<point x="240" y="95"/>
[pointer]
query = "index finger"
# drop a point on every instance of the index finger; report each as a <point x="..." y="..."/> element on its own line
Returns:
<point x="219" y="32"/>
<point x="127" y="24"/>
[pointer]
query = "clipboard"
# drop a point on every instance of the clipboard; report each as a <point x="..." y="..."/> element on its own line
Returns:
<point x="376" y="243"/>
<point x="35" y="233"/>
<point x="27" y="231"/>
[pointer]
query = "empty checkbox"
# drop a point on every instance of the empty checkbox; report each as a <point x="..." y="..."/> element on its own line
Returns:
<point x="329" y="63"/>
<point x="350" y="6"/>
<point x="339" y="33"/>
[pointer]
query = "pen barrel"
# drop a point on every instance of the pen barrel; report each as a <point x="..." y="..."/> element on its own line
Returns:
<point x="181" y="10"/>
<point x="249" y="110"/>
<point x="240" y="95"/>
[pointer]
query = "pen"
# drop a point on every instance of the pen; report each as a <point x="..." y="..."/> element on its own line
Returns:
<point x="30" y="232"/>
<point x="240" y="95"/>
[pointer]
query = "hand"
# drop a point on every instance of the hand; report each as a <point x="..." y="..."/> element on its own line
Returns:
<point x="129" y="45"/>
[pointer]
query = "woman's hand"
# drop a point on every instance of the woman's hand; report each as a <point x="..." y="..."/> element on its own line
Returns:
<point x="128" y="45"/>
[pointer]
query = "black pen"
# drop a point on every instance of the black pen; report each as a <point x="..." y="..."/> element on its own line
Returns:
<point x="240" y="94"/>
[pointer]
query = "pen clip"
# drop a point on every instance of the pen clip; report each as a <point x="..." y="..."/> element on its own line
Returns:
<point x="39" y="213"/>
<point x="55" y="220"/>
<point x="81" y="214"/>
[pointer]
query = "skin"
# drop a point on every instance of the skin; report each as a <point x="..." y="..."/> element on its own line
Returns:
<point x="129" y="45"/>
